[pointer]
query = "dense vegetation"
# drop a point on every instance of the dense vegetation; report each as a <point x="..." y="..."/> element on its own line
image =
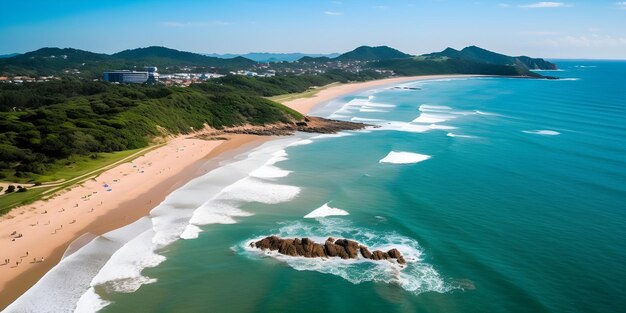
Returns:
<point x="85" y="64"/>
<point x="421" y="66"/>
<point x="41" y="123"/>
<point x="366" y="53"/>
<point x="476" y="54"/>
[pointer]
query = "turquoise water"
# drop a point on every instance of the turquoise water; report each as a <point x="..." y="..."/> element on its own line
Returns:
<point x="521" y="207"/>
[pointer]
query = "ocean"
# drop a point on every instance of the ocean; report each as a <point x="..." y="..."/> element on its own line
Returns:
<point x="504" y="195"/>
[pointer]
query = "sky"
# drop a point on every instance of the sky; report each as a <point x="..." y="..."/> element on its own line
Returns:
<point x="572" y="29"/>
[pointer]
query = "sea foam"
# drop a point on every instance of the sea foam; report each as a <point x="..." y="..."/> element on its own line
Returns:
<point x="460" y="136"/>
<point x="417" y="276"/>
<point x="544" y="132"/>
<point x="404" y="158"/>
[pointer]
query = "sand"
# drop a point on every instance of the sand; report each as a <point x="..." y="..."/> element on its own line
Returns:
<point x="114" y="199"/>
<point x="305" y="105"/>
<point x="123" y="194"/>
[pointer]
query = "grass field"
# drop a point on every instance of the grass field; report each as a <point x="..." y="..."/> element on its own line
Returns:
<point x="66" y="175"/>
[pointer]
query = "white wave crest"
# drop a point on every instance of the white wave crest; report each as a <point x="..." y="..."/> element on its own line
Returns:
<point x="254" y="190"/>
<point x="325" y="211"/>
<point x="544" y="132"/>
<point x="122" y="272"/>
<point x="404" y="158"/>
<point x="90" y="302"/>
<point x="460" y="136"/>
<point x="269" y="171"/>
<point x="337" y="135"/>
<point x="301" y="142"/>
<point x="366" y="120"/>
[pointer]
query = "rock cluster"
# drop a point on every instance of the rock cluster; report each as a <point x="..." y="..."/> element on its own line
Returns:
<point x="310" y="125"/>
<point x="343" y="248"/>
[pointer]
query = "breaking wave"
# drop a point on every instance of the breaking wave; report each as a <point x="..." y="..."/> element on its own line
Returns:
<point x="417" y="276"/>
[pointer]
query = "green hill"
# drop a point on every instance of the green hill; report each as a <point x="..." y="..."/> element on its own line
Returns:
<point x="162" y="56"/>
<point x="59" y="62"/>
<point x="52" y="61"/>
<point x="421" y="66"/>
<point x="477" y="54"/>
<point x="366" y="53"/>
<point x="46" y="124"/>
<point x="308" y="59"/>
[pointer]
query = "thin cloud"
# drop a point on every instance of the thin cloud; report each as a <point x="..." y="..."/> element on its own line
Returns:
<point x="621" y="5"/>
<point x="173" y="24"/>
<point x="594" y="41"/>
<point x="333" y="13"/>
<point x="222" y="23"/>
<point x="539" y="33"/>
<point x="381" y="7"/>
<point x="544" y="4"/>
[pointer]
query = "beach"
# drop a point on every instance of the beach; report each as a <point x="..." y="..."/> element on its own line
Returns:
<point x="306" y="104"/>
<point x="109" y="201"/>
<point x="36" y="236"/>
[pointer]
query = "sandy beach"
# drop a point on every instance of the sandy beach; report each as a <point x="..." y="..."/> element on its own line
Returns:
<point x="34" y="237"/>
<point x="304" y="105"/>
<point x="43" y="230"/>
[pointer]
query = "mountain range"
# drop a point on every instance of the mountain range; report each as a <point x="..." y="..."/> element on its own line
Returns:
<point x="267" y="57"/>
<point x="57" y="61"/>
<point x="470" y="60"/>
<point x="478" y="54"/>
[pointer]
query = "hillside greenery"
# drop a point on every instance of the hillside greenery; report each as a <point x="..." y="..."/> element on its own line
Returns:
<point x="444" y="65"/>
<point x="85" y="64"/>
<point x="477" y="54"/>
<point x="366" y="53"/>
<point x="42" y="123"/>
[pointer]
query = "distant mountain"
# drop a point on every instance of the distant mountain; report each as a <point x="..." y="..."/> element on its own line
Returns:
<point x="50" y="61"/>
<point x="171" y="57"/>
<point x="366" y="53"/>
<point x="57" y="61"/>
<point x="10" y="55"/>
<point x="308" y="59"/>
<point x="267" y="57"/>
<point x="427" y="66"/>
<point x="478" y="54"/>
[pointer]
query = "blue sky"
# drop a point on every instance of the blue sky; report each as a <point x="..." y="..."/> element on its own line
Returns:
<point x="571" y="29"/>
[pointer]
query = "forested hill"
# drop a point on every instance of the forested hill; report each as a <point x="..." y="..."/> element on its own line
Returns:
<point x="161" y="56"/>
<point x="366" y="53"/>
<point x="477" y="54"/>
<point x="59" y="119"/>
<point x="44" y="124"/>
<point x="471" y="60"/>
<point x="56" y="61"/>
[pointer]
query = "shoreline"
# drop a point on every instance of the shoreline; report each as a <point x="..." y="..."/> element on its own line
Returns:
<point x="306" y="104"/>
<point x="98" y="211"/>
<point x="84" y="210"/>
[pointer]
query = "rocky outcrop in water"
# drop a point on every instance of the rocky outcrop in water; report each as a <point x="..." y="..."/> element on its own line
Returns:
<point x="342" y="248"/>
<point x="310" y="124"/>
